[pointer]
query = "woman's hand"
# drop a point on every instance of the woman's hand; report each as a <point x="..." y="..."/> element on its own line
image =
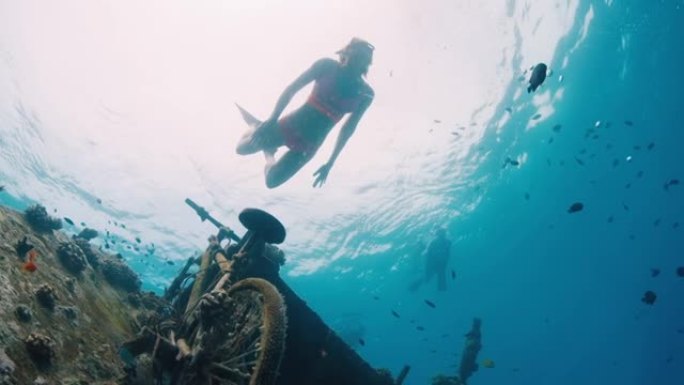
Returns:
<point x="321" y="175"/>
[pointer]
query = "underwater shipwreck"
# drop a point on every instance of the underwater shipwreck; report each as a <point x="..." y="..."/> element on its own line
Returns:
<point x="73" y="314"/>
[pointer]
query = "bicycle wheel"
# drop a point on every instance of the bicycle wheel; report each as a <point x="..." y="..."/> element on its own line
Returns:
<point x="240" y="340"/>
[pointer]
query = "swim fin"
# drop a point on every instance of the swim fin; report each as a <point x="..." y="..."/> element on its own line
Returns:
<point x="248" y="118"/>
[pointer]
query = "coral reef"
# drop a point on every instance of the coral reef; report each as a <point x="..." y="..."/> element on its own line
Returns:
<point x="40" y="221"/>
<point x="41" y="348"/>
<point x="118" y="274"/>
<point x="72" y="257"/>
<point x="445" y="380"/>
<point x="87" y="250"/>
<point x="23" y="313"/>
<point x="46" y="296"/>
<point x="87" y="234"/>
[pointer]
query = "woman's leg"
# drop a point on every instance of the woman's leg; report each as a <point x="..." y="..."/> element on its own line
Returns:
<point x="261" y="138"/>
<point x="280" y="171"/>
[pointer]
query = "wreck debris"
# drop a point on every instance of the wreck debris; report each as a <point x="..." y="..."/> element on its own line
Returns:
<point x="72" y="257"/>
<point x="40" y="221"/>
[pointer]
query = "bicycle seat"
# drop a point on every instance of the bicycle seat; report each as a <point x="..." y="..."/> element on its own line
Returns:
<point x="263" y="224"/>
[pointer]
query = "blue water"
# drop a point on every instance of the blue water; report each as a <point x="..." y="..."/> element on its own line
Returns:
<point x="559" y="294"/>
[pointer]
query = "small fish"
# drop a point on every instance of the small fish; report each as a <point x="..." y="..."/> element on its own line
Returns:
<point x="655" y="272"/>
<point x="123" y="226"/>
<point x="453" y="274"/>
<point x="550" y="140"/>
<point x="137" y="239"/>
<point x="99" y="200"/>
<point x="430" y="303"/>
<point x="536" y="116"/>
<point x="640" y="174"/>
<point x="488" y="363"/>
<point x="375" y="297"/>
<point x="579" y="161"/>
<point x="437" y="121"/>
<point x="597" y="124"/>
<point x="170" y="263"/>
<point x="629" y="123"/>
<point x="509" y="110"/>
<point x="395" y="314"/>
<point x="420" y="328"/>
<point x="362" y="342"/>
<point x="628" y="185"/>
<point x="510" y="161"/>
<point x="649" y="297"/>
<point x="675" y="225"/>
<point x="537" y="78"/>
<point x="680" y="271"/>
<point x="610" y="219"/>
<point x="656" y="223"/>
<point x="557" y="128"/>
<point x="616" y="162"/>
<point x="2" y="188"/>
<point x="575" y="207"/>
<point x="69" y="221"/>
<point x="625" y="207"/>
<point x="636" y="147"/>
<point x="30" y="266"/>
<point x="650" y="146"/>
<point x="83" y="224"/>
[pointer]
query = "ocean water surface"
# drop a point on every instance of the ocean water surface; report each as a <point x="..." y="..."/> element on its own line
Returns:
<point x="111" y="114"/>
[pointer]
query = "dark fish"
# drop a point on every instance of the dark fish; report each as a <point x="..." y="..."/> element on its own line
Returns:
<point x="83" y="224"/>
<point x="629" y="123"/>
<point x="655" y="272"/>
<point x="557" y="128"/>
<point x="616" y="162"/>
<point x="550" y="140"/>
<point x="610" y="219"/>
<point x="123" y="226"/>
<point x="575" y="207"/>
<point x="640" y="174"/>
<point x="632" y="237"/>
<point x="680" y="271"/>
<point x="453" y="275"/>
<point x="527" y="196"/>
<point x="656" y="223"/>
<point x="509" y="110"/>
<point x="628" y="185"/>
<point x="624" y="206"/>
<point x="675" y="225"/>
<point x="510" y="161"/>
<point x="649" y="297"/>
<point x="99" y="200"/>
<point x="2" y="188"/>
<point x="445" y="335"/>
<point x="430" y="303"/>
<point x="650" y="146"/>
<point x="537" y="78"/>
<point x="395" y="314"/>
<point x="636" y="147"/>
<point x="106" y="245"/>
<point x="437" y="121"/>
<point x="420" y="328"/>
<point x="69" y="221"/>
<point x="362" y="342"/>
<point x="137" y="239"/>
<point x="375" y="297"/>
<point x="536" y="116"/>
<point x="579" y="161"/>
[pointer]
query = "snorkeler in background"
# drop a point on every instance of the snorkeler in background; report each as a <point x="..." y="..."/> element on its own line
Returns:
<point x="436" y="257"/>
<point x="339" y="89"/>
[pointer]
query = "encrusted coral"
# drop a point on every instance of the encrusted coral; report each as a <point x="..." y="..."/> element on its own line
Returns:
<point x="118" y="274"/>
<point x="23" y="313"/>
<point x="87" y="234"/>
<point x="41" y="348"/>
<point x="87" y="250"/>
<point x="40" y="221"/>
<point x="72" y="257"/>
<point x="46" y="296"/>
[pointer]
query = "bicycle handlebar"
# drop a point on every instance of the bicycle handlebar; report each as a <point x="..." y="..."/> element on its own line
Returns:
<point x="204" y="215"/>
